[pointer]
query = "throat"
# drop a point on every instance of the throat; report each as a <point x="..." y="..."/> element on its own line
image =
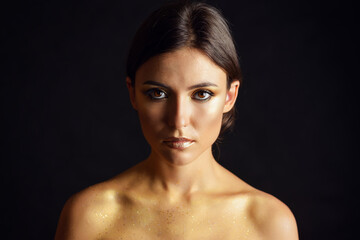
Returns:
<point x="181" y="180"/>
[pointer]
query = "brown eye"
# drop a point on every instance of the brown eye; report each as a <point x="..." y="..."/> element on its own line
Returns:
<point x="202" y="95"/>
<point x="156" y="94"/>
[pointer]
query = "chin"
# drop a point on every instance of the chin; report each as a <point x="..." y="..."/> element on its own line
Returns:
<point x="178" y="157"/>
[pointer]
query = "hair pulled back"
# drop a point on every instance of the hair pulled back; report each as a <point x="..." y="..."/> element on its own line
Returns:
<point x="187" y="24"/>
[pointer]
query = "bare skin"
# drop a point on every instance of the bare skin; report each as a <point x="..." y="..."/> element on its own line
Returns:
<point x="134" y="205"/>
<point x="179" y="191"/>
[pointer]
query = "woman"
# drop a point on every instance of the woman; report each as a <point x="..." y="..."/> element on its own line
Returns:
<point x="183" y="80"/>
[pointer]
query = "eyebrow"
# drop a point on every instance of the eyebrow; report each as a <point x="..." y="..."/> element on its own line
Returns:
<point x="200" y="85"/>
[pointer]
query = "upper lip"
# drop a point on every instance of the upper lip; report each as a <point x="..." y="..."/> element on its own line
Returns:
<point x="178" y="139"/>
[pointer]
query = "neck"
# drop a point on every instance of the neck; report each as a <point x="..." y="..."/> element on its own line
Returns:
<point x="182" y="179"/>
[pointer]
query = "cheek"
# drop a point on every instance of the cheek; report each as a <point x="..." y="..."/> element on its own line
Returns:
<point x="208" y="120"/>
<point x="150" y="117"/>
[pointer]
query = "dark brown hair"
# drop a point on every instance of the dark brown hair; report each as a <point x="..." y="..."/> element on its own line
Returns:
<point x="187" y="24"/>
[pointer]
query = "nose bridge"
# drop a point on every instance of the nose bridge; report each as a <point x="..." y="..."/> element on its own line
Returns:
<point x="179" y="114"/>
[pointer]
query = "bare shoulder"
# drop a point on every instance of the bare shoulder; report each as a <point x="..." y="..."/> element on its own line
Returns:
<point x="89" y="212"/>
<point x="267" y="216"/>
<point x="273" y="219"/>
<point x="82" y="214"/>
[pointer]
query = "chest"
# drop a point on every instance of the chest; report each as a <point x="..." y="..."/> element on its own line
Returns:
<point x="180" y="222"/>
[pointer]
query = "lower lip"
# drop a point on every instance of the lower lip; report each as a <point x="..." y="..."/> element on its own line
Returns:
<point x="179" y="144"/>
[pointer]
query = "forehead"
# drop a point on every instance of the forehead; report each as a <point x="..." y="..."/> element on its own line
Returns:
<point x="184" y="66"/>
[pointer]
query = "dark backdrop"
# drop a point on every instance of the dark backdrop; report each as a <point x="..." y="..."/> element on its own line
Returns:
<point x="68" y="122"/>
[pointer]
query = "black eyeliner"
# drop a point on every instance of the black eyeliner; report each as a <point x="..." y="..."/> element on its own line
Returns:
<point x="151" y="90"/>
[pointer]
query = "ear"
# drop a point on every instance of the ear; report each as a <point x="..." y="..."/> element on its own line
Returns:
<point x="131" y="92"/>
<point x="231" y="96"/>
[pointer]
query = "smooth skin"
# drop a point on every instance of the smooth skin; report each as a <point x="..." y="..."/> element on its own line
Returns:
<point x="177" y="192"/>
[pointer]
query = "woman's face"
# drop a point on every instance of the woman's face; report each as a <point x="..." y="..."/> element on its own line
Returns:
<point x="180" y="98"/>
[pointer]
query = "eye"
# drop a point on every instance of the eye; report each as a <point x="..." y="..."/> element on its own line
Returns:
<point x="156" y="94"/>
<point x="203" y="95"/>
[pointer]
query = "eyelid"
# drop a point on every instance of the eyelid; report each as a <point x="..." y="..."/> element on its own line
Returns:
<point x="150" y="91"/>
<point x="211" y="94"/>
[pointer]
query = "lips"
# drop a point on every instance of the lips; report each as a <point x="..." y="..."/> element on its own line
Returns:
<point x="178" y="143"/>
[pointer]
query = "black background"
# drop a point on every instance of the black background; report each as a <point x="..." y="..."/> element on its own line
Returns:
<point x="68" y="123"/>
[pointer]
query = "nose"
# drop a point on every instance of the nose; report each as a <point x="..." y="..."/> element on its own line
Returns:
<point x="179" y="112"/>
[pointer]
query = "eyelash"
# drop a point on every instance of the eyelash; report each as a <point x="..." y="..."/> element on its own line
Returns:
<point x="150" y="94"/>
<point x="210" y="94"/>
